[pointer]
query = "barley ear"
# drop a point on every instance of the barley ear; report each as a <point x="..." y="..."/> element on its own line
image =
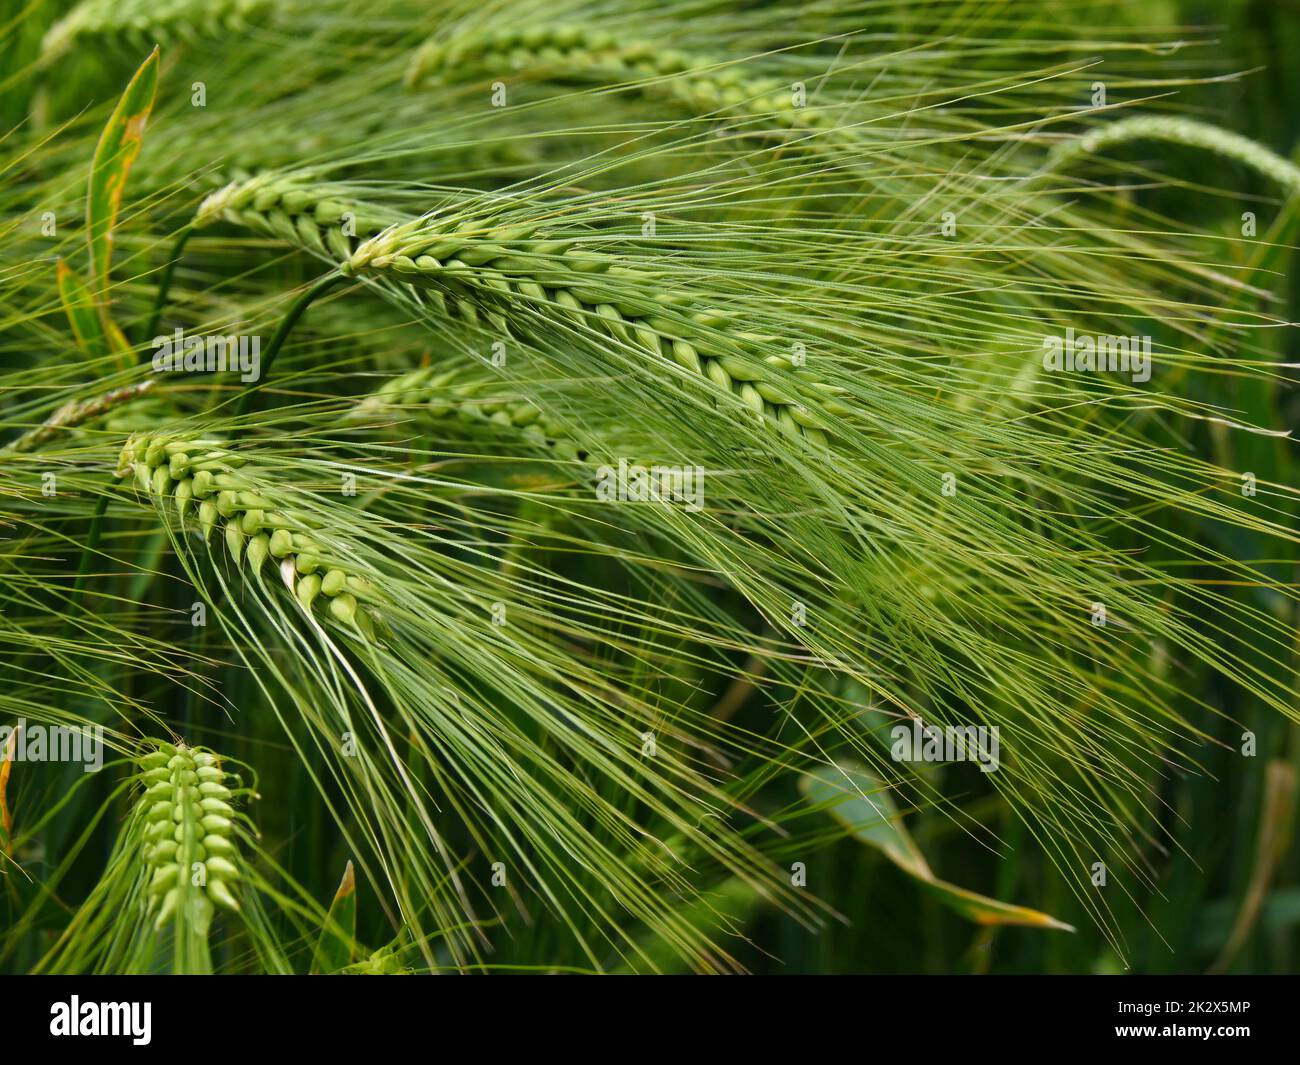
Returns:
<point x="188" y="847"/>
<point x="203" y="477"/>
<point x="1182" y="131"/>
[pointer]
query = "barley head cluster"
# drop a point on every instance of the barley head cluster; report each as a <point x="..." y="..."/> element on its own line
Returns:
<point x="189" y="843"/>
<point x="523" y="702"/>
<point x="203" y="474"/>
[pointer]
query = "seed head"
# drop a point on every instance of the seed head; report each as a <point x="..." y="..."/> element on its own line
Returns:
<point x="203" y="476"/>
<point x="189" y="846"/>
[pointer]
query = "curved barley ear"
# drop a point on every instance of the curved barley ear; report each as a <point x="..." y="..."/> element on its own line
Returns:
<point x="1182" y="131"/>
<point x="251" y="514"/>
<point x="466" y="394"/>
<point x="141" y="24"/>
<point x="517" y="283"/>
<point x="583" y="55"/>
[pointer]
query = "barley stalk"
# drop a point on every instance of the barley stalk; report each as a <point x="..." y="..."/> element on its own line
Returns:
<point x="582" y="54"/>
<point x="232" y="499"/>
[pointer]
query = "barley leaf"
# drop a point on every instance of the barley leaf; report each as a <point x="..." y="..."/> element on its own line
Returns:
<point x="858" y="801"/>
<point x="80" y="309"/>
<point x="334" y="950"/>
<point x="118" y="147"/>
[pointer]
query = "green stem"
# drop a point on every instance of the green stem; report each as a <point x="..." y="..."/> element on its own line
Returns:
<point x="164" y="286"/>
<point x="286" y="326"/>
<point x="87" y="553"/>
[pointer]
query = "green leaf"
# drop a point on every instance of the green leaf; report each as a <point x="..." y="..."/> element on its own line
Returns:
<point x="338" y="935"/>
<point x="860" y="802"/>
<point x="118" y="147"/>
<point x="80" y="309"/>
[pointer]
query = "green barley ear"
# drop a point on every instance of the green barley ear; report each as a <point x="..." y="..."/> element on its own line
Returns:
<point x="188" y="844"/>
<point x="1182" y="131"/>
<point x="584" y="55"/>
<point x="325" y="218"/>
<point x="203" y="478"/>
<point x="140" y="24"/>
<point x="520" y="281"/>
<point x="465" y="394"/>
<point x="76" y="413"/>
<point x="183" y="857"/>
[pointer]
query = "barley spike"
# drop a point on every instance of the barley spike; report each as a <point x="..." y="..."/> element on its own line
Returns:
<point x="139" y="24"/>
<point x="485" y="273"/>
<point x="580" y="54"/>
<point x="462" y="393"/>
<point x="322" y="217"/>
<point x="231" y="499"/>
<point x="79" y="412"/>
<point x="189" y="828"/>
<point x="1182" y="131"/>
